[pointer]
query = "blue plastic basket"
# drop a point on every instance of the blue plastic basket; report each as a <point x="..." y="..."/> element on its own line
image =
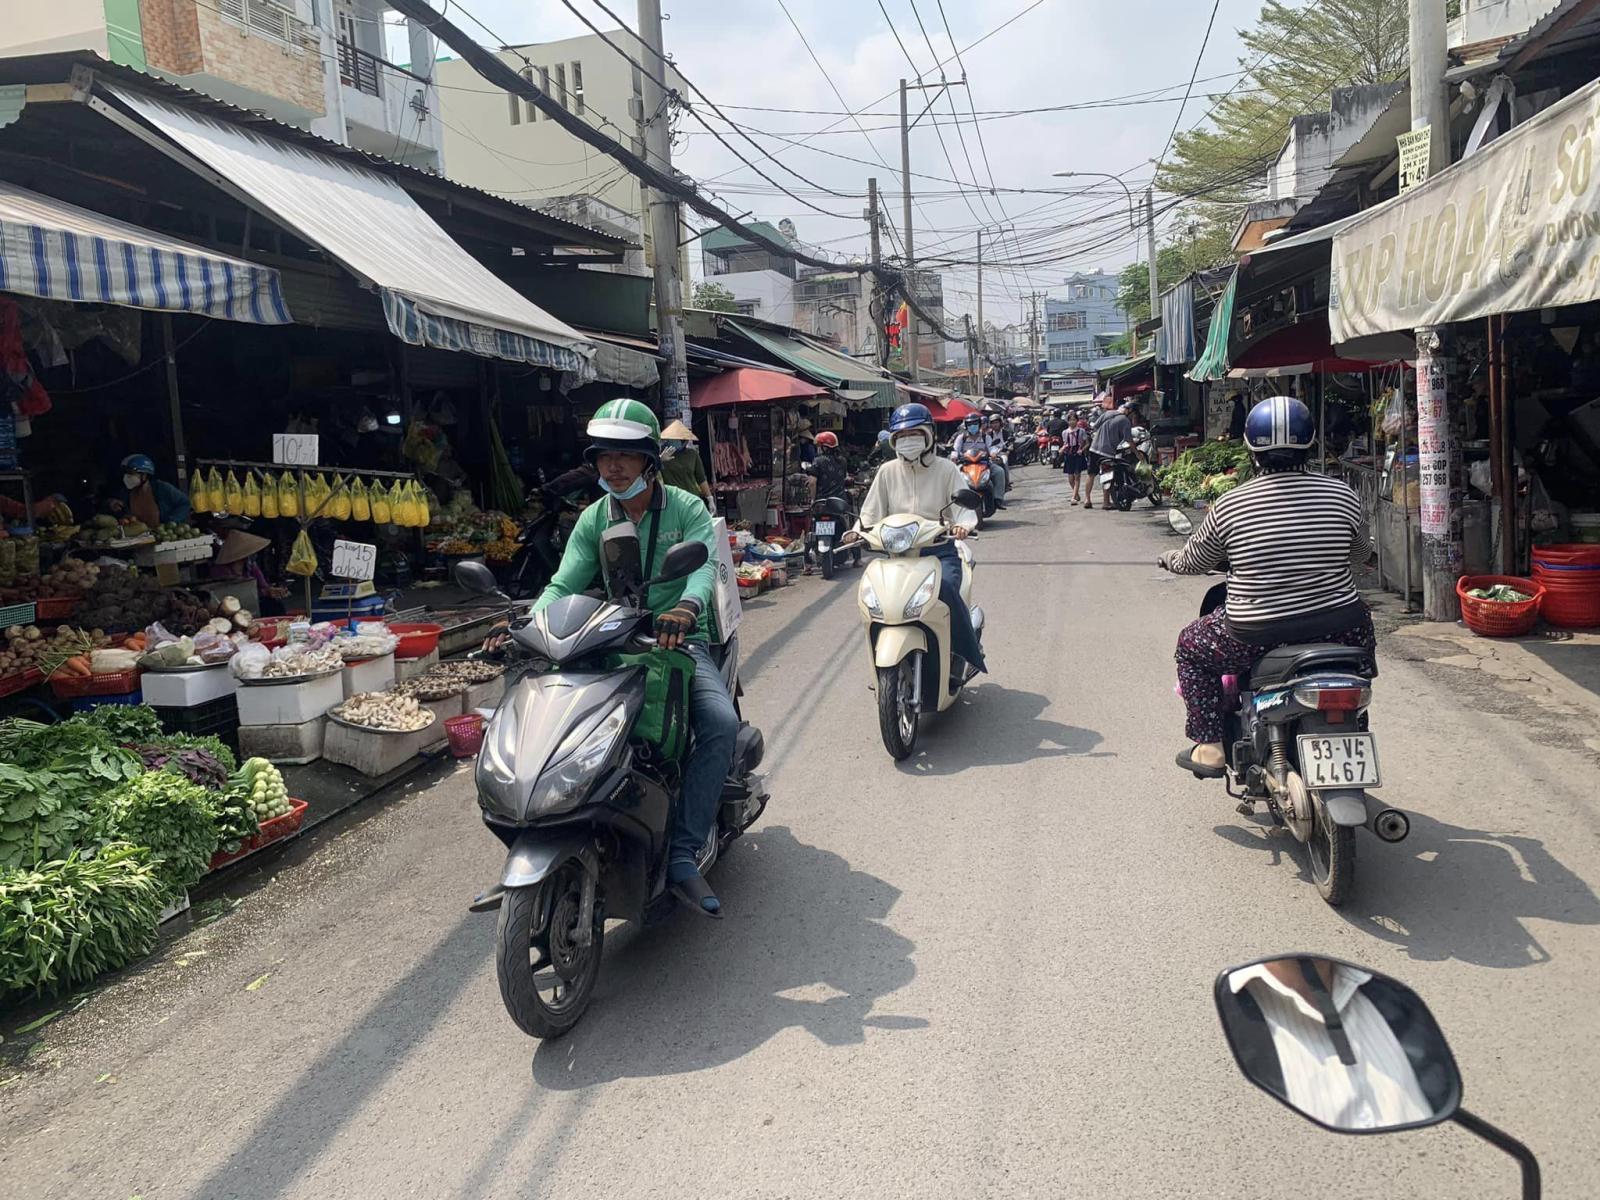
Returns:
<point x="84" y="703"/>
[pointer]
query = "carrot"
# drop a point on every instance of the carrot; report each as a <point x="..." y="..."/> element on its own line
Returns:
<point x="80" y="666"/>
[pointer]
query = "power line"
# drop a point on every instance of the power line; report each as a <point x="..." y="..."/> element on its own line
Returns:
<point x="1204" y="42"/>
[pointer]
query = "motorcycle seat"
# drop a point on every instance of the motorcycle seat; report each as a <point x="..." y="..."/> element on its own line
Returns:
<point x="1283" y="663"/>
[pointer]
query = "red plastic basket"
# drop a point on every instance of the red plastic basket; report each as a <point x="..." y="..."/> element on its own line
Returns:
<point x="1499" y="618"/>
<point x="275" y="830"/>
<point x="465" y="734"/>
<point x="113" y="683"/>
<point x="55" y="608"/>
<point x="417" y="639"/>
<point x="10" y="685"/>
<point x="1571" y="578"/>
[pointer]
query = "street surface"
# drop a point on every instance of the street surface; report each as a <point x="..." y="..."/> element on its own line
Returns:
<point x="986" y="973"/>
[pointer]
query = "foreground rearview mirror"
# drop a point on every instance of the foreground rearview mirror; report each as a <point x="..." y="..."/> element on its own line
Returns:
<point x="1347" y="1048"/>
<point x="1179" y="522"/>
<point x="967" y="498"/>
<point x="683" y="560"/>
<point x="476" y="577"/>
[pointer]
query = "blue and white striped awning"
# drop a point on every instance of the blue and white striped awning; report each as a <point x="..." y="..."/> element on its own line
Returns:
<point x="58" y="251"/>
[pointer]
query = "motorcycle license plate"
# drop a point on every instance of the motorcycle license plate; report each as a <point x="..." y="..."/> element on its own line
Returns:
<point x="1341" y="760"/>
<point x="1108" y="478"/>
<point x="825" y="528"/>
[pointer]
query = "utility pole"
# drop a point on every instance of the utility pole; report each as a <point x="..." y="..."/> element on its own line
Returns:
<point x="880" y="318"/>
<point x="1438" y="451"/>
<point x="971" y="370"/>
<point x="1033" y="343"/>
<point x="908" y="336"/>
<point x="1150" y="250"/>
<point x="664" y="224"/>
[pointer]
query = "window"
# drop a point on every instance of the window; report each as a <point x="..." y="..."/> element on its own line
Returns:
<point x="561" y="84"/>
<point x="544" y="86"/>
<point x="577" y="88"/>
<point x="516" y="108"/>
<point x="746" y="308"/>
<point x="517" y="102"/>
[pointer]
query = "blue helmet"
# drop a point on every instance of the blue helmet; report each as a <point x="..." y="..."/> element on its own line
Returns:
<point x="910" y="416"/>
<point x="140" y="463"/>
<point x="1279" y="423"/>
<point x="883" y="435"/>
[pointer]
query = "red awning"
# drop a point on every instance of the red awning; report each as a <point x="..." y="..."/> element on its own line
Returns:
<point x="750" y="385"/>
<point x="951" y="408"/>
<point x="1304" y="344"/>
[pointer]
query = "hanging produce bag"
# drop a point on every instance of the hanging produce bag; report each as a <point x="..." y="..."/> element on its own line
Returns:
<point x="382" y="510"/>
<point x="399" y="511"/>
<point x="288" y="495"/>
<point x="322" y="495"/>
<point x="302" y="558"/>
<point x="250" y="496"/>
<point x="339" y="503"/>
<point x="233" y="495"/>
<point x="425" y="507"/>
<point x="269" y="497"/>
<point x="199" y="495"/>
<point x="360" y="507"/>
<point x="216" y="501"/>
<point x="409" y="500"/>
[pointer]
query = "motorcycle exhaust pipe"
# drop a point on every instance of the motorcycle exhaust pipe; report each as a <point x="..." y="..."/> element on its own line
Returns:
<point x="1387" y="824"/>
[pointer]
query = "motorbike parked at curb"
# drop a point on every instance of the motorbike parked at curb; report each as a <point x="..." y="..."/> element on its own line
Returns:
<point x="584" y="807"/>
<point x="1023" y="450"/>
<point x="908" y="625"/>
<point x="829" y="520"/>
<point x="1391" y="1071"/>
<point x="1131" y="474"/>
<point x="1298" y="738"/>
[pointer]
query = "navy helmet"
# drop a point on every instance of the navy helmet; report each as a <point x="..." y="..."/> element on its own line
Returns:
<point x="1279" y="423"/>
<point x="139" y="464"/>
<point x="910" y="416"/>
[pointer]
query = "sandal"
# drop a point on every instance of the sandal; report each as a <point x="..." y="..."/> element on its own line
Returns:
<point x="1200" y="770"/>
<point x="692" y="894"/>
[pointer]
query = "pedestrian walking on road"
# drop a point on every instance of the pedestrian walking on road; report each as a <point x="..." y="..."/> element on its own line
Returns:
<point x="1074" y="451"/>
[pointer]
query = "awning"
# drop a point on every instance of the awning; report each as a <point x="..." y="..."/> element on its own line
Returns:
<point x="820" y="364"/>
<point x="748" y="385"/>
<point x="58" y="251"/>
<point x="1299" y="349"/>
<point x="1213" y="361"/>
<point x="1507" y="229"/>
<point x="1132" y="366"/>
<point x="627" y="362"/>
<point x="951" y="408"/>
<point x="434" y="293"/>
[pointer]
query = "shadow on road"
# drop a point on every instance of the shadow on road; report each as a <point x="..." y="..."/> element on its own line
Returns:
<point x="805" y="944"/>
<point x="1448" y="892"/>
<point x="1012" y="732"/>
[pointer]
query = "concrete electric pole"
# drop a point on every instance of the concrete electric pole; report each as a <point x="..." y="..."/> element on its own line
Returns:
<point x="1033" y="343"/>
<point x="880" y="318"/>
<point x="664" y="220"/>
<point x="908" y="336"/>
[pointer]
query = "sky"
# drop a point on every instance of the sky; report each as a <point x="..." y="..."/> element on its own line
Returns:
<point x="1059" y="52"/>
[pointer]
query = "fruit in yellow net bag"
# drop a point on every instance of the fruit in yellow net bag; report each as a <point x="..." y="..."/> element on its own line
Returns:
<point x="302" y="558"/>
<point x="216" y="501"/>
<point x="250" y="496"/>
<point x="233" y="495"/>
<point x="199" y="497"/>
<point x="360" y="506"/>
<point x="269" y="497"/>
<point x="339" y="504"/>
<point x="288" y="495"/>
<point x="382" y="510"/>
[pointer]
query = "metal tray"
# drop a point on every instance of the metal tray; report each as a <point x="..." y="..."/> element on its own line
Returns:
<point x="338" y="720"/>
<point x="274" y="680"/>
<point x="185" y="669"/>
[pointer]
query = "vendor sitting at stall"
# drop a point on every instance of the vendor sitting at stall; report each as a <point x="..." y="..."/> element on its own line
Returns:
<point x="236" y="562"/>
<point x="148" y="499"/>
<point x="680" y="462"/>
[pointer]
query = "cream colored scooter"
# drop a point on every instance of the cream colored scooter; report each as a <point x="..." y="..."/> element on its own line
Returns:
<point x="908" y="626"/>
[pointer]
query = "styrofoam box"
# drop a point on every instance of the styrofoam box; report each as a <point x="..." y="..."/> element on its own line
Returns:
<point x="284" y="743"/>
<point x="185" y="689"/>
<point x="410" y="668"/>
<point x="289" y="703"/>
<point x="450" y="706"/>
<point x="373" y="675"/>
<point x="370" y="752"/>
<point x="484" y="695"/>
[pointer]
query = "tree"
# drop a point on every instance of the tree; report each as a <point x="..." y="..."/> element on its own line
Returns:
<point x="1294" y="58"/>
<point x="714" y="297"/>
<point x="1133" y="285"/>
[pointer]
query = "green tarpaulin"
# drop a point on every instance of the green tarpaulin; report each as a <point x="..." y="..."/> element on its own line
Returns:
<point x="821" y="365"/>
<point x="1213" y="362"/>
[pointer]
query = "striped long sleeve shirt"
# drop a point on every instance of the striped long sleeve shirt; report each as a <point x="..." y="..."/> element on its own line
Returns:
<point x="1290" y="539"/>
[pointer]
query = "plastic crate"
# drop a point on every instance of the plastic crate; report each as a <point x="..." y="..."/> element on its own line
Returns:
<point x="84" y="704"/>
<point x="10" y="685"/>
<point x="18" y="614"/>
<point x="112" y="683"/>
<point x="216" y="718"/>
<point x="276" y="830"/>
<point x="55" y="608"/>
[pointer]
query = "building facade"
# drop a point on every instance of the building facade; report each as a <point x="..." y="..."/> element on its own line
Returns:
<point x="316" y="64"/>
<point x="1081" y="320"/>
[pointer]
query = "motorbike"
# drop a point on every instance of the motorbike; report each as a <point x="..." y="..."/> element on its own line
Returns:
<point x="1298" y="738"/>
<point x="539" y="546"/>
<point x="1131" y="475"/>
<point x="975" y="466"/>
<point x="1024" y="450"/>
<point x="1404" y="1045"/>
<point x="908" y="626"/>
<point x="1055" y="453"/>
<point x="829" y="519"/>
<point x="584" y="807"/>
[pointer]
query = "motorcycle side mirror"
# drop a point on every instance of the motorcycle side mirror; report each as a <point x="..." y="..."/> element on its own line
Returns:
<point x="477" y="578"/>
<point x="1179" y="522"/>
<point x="682" y="560"/>
<point x="1347" y="1048"/>
<point x="968" y="499"/>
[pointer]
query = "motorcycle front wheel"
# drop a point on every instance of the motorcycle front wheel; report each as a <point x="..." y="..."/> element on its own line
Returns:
<point x="1332" y="851"/>
<point x="546" y="978"/>
<point x="897" y="715"/>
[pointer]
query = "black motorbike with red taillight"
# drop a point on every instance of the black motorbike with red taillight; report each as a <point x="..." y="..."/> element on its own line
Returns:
<point x="1298" y="739"/>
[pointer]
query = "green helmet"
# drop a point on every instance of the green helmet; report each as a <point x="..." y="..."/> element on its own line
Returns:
<point x="626" y="425"/>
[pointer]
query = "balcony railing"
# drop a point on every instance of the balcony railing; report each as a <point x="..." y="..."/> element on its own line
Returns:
<point x="269" y="20"/>
<point x="364" y="71"/>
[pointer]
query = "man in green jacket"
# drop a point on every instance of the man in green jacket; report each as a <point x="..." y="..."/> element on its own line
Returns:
<point x="625" y="448"/>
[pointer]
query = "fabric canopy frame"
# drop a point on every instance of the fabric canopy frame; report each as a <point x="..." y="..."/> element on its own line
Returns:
<point x="434" y="293"/>
<point x="818" y="363"/>
<point x="58" y="251"/>
<point x="750" y="385"/>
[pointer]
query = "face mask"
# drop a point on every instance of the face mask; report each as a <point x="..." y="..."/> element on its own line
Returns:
<point x="132" y="481"/>
<point x="911" y="448"/>
<point x="632" y="492"/>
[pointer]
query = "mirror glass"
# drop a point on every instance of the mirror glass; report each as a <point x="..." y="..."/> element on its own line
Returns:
<point x="967" y="498"/>
<point x="684" y="559"/>
<point x="1179" y="522"/>
<point x="1348" y="1048"/>
<point x="476" y="577"/>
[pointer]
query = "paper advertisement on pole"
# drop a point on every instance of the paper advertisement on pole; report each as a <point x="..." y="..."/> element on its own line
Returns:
<point x="1433" y="445"/>
<point x="1415" y="146"/>
<point x="1514" y="227"/>
<point x="729" y="611"/>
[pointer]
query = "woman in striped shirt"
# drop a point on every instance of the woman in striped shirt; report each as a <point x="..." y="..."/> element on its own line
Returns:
<point x="1289" y="538"/>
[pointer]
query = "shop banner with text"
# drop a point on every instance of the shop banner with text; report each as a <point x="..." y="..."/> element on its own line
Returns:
<point x="1514" y="227"/>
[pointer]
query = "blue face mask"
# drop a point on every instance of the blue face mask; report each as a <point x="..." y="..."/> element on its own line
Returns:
<point x="632" y="492"/>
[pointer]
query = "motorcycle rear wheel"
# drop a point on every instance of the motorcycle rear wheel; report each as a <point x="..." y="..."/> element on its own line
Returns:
<point x="546" y="979"/>
<point x="827" y="564"/>
<point x="897" y="719"/>
<point x="1331" y="850"/>
<point x="1122" y="497"/>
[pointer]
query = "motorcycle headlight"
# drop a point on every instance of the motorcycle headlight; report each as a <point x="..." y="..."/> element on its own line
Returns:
<point x="575" y="769"/>
<point x="919" y="598"/>
<point x="870" y="599"/>
<point x="897" y="539"/>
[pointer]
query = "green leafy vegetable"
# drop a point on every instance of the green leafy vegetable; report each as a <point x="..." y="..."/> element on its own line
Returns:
<point x="174" y="818"/>
<point x="215" y="747"/>
<point x="68" y="920"/>
<point x="51" y="779"/>
<point x="124" y="722"/>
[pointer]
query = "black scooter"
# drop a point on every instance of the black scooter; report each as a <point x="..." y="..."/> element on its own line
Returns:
<point x="830" y="519"/>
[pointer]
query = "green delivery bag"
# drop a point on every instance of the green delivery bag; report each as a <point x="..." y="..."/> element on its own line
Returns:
<point x="664" y="720"/>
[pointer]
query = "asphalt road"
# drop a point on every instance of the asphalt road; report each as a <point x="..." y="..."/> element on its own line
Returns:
<point x="986" y="972"/>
